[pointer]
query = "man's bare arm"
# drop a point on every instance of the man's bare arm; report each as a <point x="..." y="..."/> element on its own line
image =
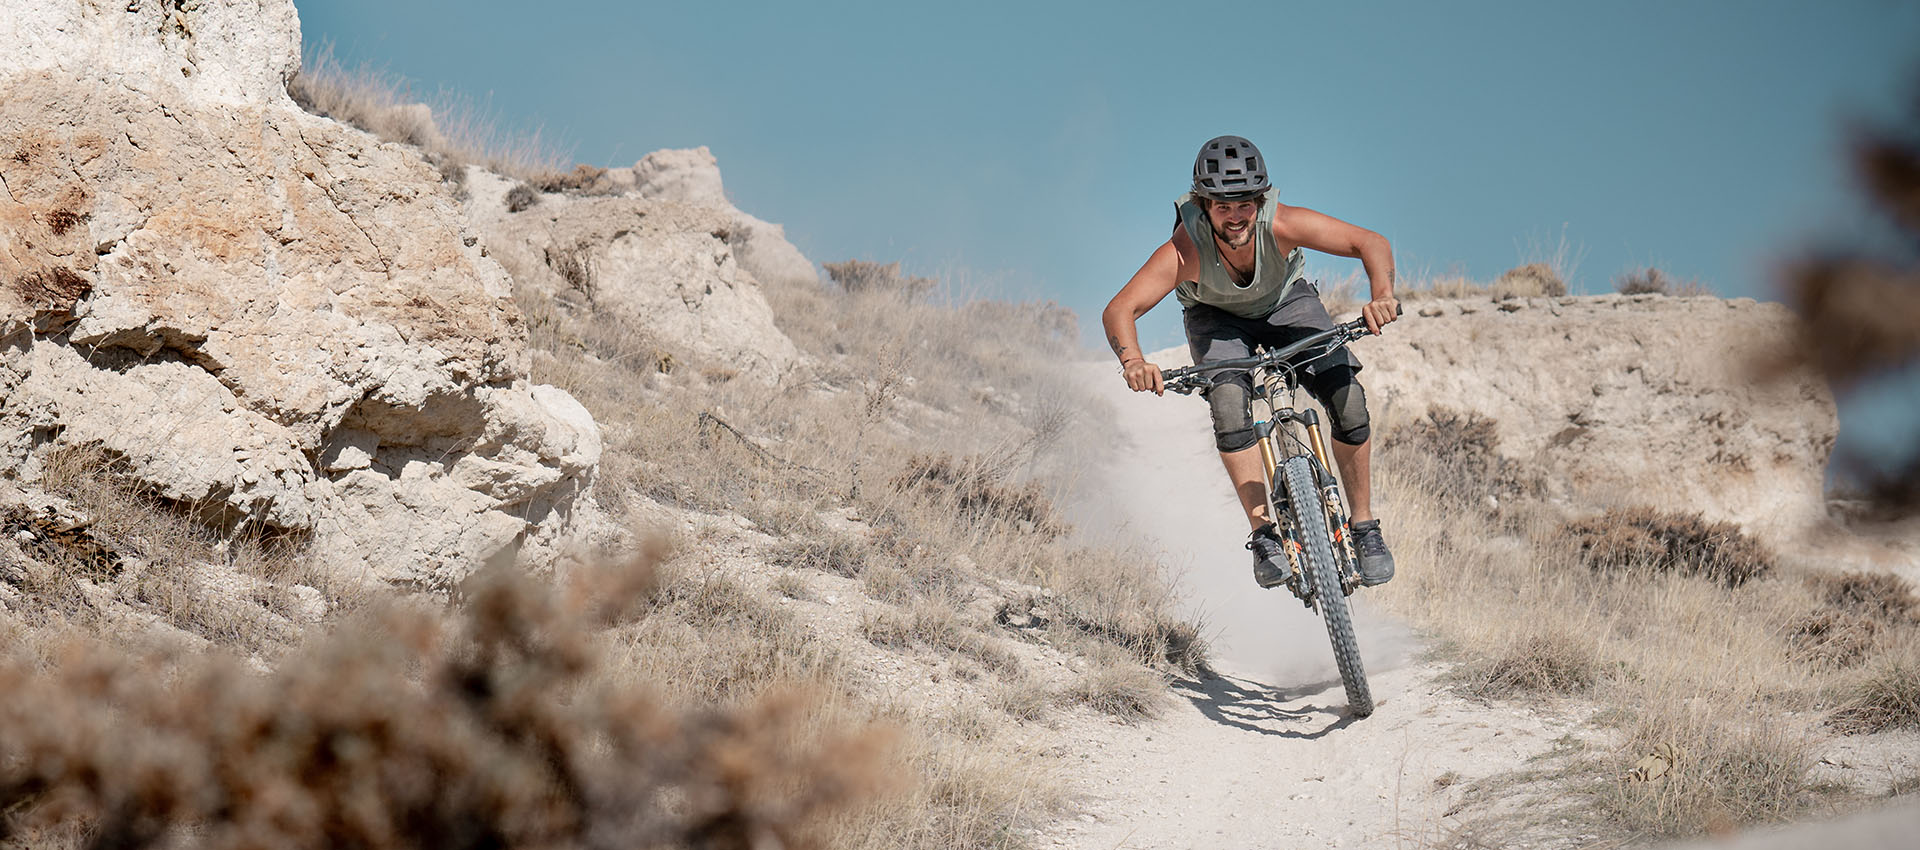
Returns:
<point x="1324" y="233"/>
<point x="1149" y="285"/>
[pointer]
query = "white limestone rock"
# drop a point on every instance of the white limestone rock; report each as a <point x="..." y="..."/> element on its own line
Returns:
<point x="267" y="315"/>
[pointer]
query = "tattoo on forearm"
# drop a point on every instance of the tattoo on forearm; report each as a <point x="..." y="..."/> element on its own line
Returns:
<point x="1113" y="341"/>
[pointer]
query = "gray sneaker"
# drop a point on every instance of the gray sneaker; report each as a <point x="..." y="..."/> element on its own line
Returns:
<point x="1376" y="563"/>
<point x="1269" y="557"/>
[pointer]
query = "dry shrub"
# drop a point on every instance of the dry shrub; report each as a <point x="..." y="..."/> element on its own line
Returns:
<point x="582" y="180"/>
<point x="1451" y="287"/>
<point x="840" y="554"/>
<point x="1644" y="281"/>
<point x="1888" y="699"/>
<point x="521" y="197"/>
<point x="1459" y="454"/>
<point x="1021" y="698"/>
<point x="1118" y="686"/>
<point x="860" y="276"/>
<point x="135" y="549"/>
<point x="1731" y="770"/>
<point x="493" y="725"/>
<point x="713" y="639"/>
<point x="1538" y="664"/>
<point x="933" y="624"/>
<point x="1881" y="596"/>
<point x="1645" y="538"/>
<point x="1533" y="280"/>
<point x="1832" y="639"/>
<point x="975" y="488"/>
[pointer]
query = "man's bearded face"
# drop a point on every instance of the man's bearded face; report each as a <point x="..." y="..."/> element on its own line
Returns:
<point x="1233" y="221"/>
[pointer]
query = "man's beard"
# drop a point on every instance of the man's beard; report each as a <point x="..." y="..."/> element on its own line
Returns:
<point x="1241" y="241"/>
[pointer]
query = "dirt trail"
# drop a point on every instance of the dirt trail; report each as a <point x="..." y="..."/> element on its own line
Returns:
<point x="1267" y="756"/>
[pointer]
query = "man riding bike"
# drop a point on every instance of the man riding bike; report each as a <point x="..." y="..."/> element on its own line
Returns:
<point x="1235" y="262"/>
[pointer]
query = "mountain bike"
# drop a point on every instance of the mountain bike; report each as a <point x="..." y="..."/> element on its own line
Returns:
<point x="1303" y="495"/>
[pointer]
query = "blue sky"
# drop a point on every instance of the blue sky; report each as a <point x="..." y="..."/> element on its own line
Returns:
<point x="1033" y="149"/>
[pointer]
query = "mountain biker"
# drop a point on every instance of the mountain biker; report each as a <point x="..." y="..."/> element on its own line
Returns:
<point x="1235" y="262"/>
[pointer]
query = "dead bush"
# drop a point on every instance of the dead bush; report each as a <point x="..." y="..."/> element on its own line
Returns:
<point x="1888" y="699"/>
<point x="1118" y="686"/>
<point x="1720" y="771"/>
<point x="1459" y="453"/>
<point x="492" y="725"/>
<point x="840" y="554"/>
<point x="1652" y="281"/>
<point x="860" y="276"/>
<point x="1832" y="639"/>
<point x="1539" y="664"/>
<point x="1645" y="538"/>
<point x="976" y="491"/>
<point x="582" y="180"/>
<point x="1533" y="280"/>
<point x="521" y="197"/>
<point x="1882" y="596"/>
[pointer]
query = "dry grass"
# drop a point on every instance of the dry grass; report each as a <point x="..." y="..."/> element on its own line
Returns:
<point x="1833" y="638"/>
<point x="1707" y="666"/>
<point x="1884" y="597"/>
<point x="114" y="548"/>
<point x="1544" y="663"/>
<point x="1647" y="539"/>
<point x="452" y="131"/>
<point x="1116" y="685"/>
<point x="860" y="276"/>
<point x="1533" y="280"/>
<point x="1652" y="281"/>
<point x="498" y="723"/>
<point x="1888" y="699"/>
<point x="1727" y="769"/>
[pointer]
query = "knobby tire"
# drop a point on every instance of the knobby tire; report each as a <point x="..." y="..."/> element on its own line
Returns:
<point x="1310" y="523"/>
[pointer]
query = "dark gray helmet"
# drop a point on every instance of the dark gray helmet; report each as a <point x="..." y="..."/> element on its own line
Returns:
<point x="1229" y="168"/>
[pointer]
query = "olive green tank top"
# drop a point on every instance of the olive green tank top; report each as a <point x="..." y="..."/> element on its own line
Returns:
<point x="1273" y="274"/>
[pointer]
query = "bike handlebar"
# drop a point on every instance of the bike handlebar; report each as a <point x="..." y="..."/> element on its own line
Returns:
<point x="1347" y="332"/>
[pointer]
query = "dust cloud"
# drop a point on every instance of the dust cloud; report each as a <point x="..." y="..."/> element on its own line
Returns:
<point x="1163" y="484"/>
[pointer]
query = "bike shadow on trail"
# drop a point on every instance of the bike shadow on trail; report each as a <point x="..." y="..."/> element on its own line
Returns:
<point x="1255" y="707"/>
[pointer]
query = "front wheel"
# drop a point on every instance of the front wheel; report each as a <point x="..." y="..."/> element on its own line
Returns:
<point x="1310" y="523"/>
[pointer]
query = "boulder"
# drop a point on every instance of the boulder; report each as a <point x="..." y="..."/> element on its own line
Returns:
<point x="692" y="176"/>
<point x="269" y="316"/>
<point x="666" y="268"/>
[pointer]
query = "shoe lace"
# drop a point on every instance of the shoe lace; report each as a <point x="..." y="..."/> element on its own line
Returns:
<point x="1264" y="544"/>
<point x="1370" y="542"/>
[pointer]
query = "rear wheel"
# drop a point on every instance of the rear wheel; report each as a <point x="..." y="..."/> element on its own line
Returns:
<point x="1310" y="522"/>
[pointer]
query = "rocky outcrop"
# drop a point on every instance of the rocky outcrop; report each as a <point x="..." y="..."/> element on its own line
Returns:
<point x="266" y="315"/>
<point x="692" y="176"/>
<point x="1619" y="400"/>
<point x="665" y="266"/>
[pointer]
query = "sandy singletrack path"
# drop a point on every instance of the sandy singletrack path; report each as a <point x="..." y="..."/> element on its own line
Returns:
<point x="1267" y="755"/>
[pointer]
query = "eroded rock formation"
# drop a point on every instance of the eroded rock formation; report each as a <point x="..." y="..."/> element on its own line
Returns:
<point x="267" y="315"/>
<point x="666" y="253"/>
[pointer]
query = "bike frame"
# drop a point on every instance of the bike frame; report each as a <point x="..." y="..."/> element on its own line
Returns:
<point x="1279" y="437"/>
<point x="1290" y="430"/>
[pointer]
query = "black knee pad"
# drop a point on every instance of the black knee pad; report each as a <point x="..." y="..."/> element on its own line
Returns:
<point x="1346" y="403"/>
<point x="1232" y="421"/>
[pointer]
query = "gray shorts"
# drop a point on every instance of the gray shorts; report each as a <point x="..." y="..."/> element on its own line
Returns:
<point x="1214" y="334"/>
